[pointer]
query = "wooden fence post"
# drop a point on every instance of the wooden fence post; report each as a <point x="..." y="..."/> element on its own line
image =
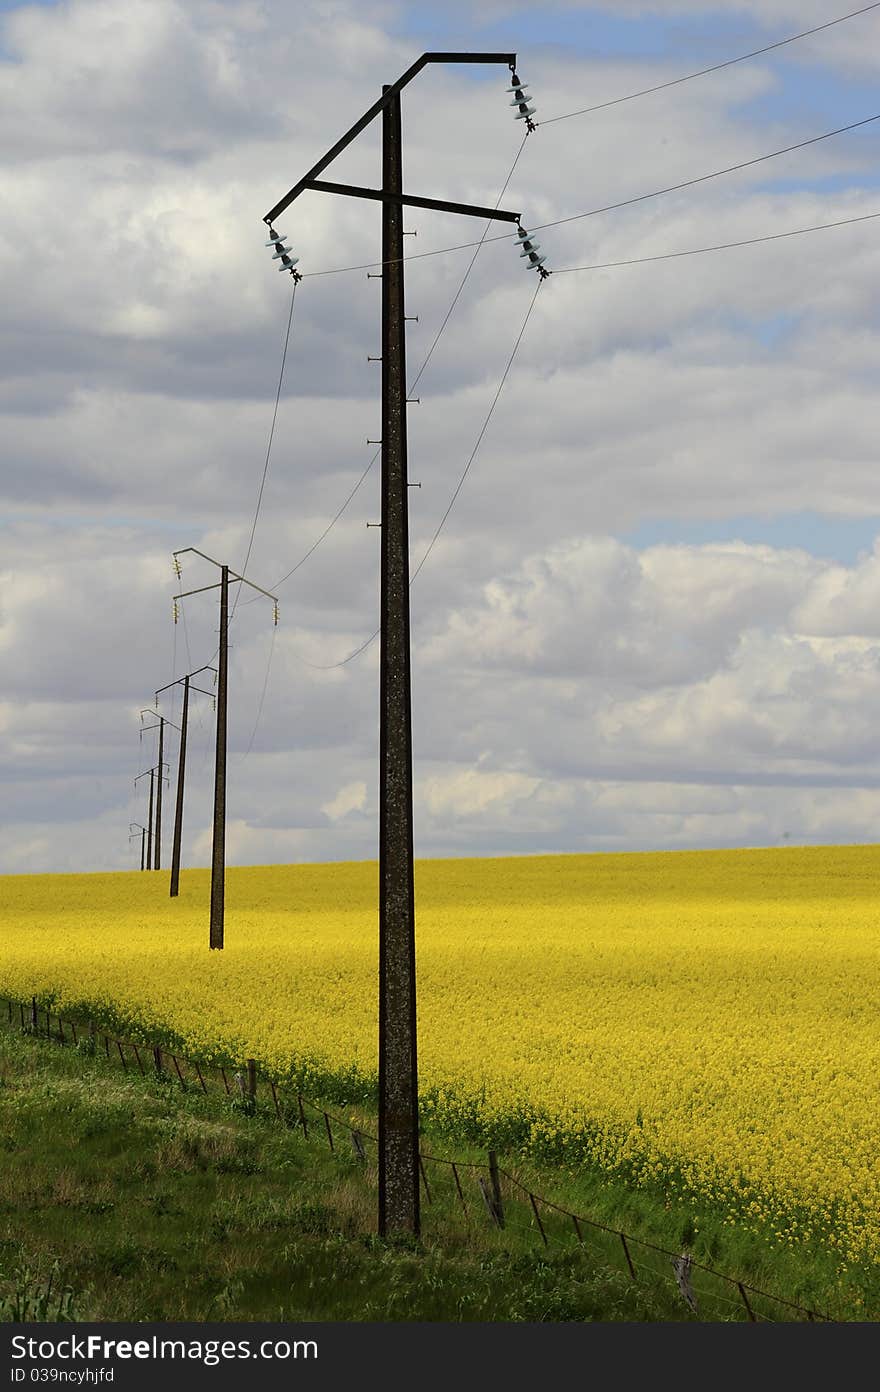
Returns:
<point x="632" y="1270"/>
<point x="496" y="1187"/>
<point x="458" y="1185"/>
<point x="538" y="1219"/>
<point x="488" y="1200"/>
<point x="425" y="1180"/>
<point x="749" y="1311"/>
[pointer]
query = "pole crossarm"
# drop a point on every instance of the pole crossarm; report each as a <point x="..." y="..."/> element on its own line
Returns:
<point x="157" y="726"/>
<point x="202" y="691"/>
<point x="410" y="200"/>
<point x="165" y="764"/>
<point x="201" y="590"/>
<point x="233" y="577"/>
<point x="207" y="668"/>
<point x="387" y="97"/>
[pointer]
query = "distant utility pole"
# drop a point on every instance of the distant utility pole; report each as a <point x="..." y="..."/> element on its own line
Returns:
<point x="152" y="775"/>
<point x="398" y="1080"/>
<point x="133" y="829"/>
<point x="161" y="722"/>
<point x="181" y="762"/>
<point x="218" y="857"/>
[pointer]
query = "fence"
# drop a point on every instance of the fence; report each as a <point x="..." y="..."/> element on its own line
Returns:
<point x="548" y="1222"/>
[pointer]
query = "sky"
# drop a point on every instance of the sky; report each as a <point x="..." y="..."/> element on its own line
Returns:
<point x="651" y="619"/>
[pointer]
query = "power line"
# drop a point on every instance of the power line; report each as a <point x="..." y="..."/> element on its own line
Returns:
<point x="471" y="263"/>
<point x="627" y="202"/>
<point x="483" y="430"/>
<point x="751" y="241"/>
<point x="411" y="388"/>
<point x="269" y="445"/>
<point x="565" y="270"/>
<point x="262" y="480"/>
<point x="415" y="380"/>
<point x="262" y="695"/>
<point x="702" y="178"/>
<point x="716" y="67"/>
<point x="330" y="667"/>
<point x="719" y="246"/>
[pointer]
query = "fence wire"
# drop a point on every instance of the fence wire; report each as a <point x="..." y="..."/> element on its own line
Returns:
<point x="470" y="1183"/>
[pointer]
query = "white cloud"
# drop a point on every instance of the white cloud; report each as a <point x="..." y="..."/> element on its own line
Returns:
<point x="471" y="790"/>
<point x="569" y="691"/>
<point x="351" y="798"/>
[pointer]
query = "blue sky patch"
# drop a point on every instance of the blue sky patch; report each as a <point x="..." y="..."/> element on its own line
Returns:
<point x="839" y="539"/>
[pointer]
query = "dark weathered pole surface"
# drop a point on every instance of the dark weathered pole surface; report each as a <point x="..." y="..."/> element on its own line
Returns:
<point x="143" y="844"/>
<point x="150" y="823"/>
<point x="218" y="860"/>
<point x="398" y="1095"/>
<point x="156" y="865"/>
<point x="178" y="808"/>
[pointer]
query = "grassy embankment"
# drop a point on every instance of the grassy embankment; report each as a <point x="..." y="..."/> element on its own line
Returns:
<point x="139" y="1201"/>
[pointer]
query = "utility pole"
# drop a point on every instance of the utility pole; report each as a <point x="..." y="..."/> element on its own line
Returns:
<point x="152" y="773"/>
<point x="133" y="829"/>
<point x="150" y="821"/>
<point x="160" y="726"/>
<point x="398" y="1077"/>
<point x="181" y="763"/>
<point x="218" y="854"/>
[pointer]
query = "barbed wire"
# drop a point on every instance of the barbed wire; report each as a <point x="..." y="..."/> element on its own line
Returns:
<point x="29" y="1019"/>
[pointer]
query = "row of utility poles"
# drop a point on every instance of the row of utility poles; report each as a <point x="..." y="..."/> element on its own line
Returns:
<point x="151" y="835"/>
<point x="398" y="1079"/>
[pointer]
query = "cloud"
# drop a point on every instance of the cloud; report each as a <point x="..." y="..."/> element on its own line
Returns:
<point x="351" y="798"/>
<point x="570" y="691"/>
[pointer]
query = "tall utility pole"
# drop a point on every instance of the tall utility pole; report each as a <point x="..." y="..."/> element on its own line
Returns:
<point x="398" y="1077"/>
<point x="218" y="854"/>
<point x="181" y="763"/>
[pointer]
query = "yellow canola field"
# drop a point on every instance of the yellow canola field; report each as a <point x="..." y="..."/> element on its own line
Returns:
<point x="706" y="1021"/>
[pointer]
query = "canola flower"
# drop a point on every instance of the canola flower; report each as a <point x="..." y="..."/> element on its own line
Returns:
<point x="702" y="1022"/>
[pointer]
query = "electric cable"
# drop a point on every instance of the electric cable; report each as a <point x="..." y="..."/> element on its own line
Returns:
<point x="716" y="67"/>
<point x="702" y="178"/>
<point x="322" y="667"/>
<point x="719" y="246"/>
<point x="410" y="389"/>
<point x="254" y="524"/>
<point x="624" y="203"/>
<point x="412" y="386"/>
<point x="485" y="426"/>
<point x="568" y="270"/>
<point x="268" y="446"/>
<point x="262" y="695"/>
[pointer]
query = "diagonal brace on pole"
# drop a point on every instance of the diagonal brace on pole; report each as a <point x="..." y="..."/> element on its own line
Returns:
<point x="386" y="99"/>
